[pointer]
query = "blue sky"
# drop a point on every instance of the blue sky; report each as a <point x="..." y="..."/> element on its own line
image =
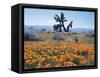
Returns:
<point x="45" y="17"/>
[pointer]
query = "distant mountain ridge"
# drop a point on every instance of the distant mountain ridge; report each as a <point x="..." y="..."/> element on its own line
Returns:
<point x="50" y="28"/>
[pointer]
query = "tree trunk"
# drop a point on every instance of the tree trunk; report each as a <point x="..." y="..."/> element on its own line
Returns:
<point x="60" y="29"/>
<point x="64" y="28"/>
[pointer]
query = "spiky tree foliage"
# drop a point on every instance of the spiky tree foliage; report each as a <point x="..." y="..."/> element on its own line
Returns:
<point x="61" y="19"/>
<point x="57" y="18"/>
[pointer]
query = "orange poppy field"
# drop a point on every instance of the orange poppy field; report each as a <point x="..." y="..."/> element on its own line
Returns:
<point x="61" y="54"/>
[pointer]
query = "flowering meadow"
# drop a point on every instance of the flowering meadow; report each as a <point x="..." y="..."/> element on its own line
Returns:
<point x="62" y="54"/>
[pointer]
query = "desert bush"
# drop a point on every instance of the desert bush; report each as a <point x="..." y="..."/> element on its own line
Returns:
<point x="69" y="39"/>
<point x="58" y="36"/>
<point x="31" y="35"/>
<point x="76" y="39"/>
<point x="74" y="33"/>
<point x="90" y="35"/>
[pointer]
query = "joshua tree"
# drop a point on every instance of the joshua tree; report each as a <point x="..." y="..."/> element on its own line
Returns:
<point x="61" y="19"/>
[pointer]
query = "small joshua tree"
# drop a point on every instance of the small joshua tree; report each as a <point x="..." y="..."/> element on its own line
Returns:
<point x="61" y="19"/>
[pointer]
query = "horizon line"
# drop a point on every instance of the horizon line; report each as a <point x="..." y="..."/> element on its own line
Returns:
<point x="52" y="26"/>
